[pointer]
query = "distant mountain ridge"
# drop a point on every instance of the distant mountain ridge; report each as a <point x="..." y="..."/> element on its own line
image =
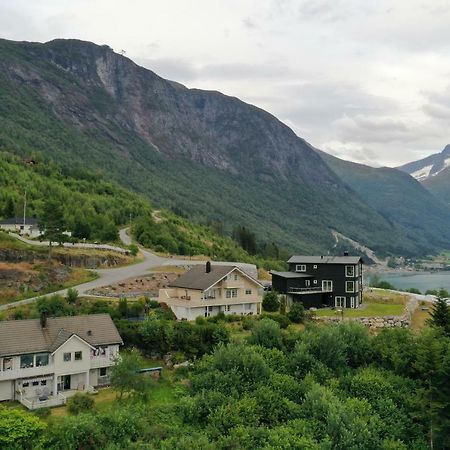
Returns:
<point x="433" y="172"/>
<point x="200" y="153"/>
<point x="428" y="167"/>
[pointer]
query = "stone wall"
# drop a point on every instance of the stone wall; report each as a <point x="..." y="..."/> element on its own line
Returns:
<point x="403" y="321"/>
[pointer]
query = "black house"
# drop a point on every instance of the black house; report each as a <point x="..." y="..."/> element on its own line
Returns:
<point x="318" y="281"/>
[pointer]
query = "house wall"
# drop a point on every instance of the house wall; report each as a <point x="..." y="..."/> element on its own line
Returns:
<point x="6" y="390"/>
<point x="73" y="345"/>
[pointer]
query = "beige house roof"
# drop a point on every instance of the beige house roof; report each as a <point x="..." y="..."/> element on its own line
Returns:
<point x="198" y="279"/>
<point x="27" y="336"/>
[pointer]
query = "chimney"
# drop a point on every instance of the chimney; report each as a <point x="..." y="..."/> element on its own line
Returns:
<point x="43" y="319"/>
<point x="346" y="253"/>
<point x="208" y="266"/>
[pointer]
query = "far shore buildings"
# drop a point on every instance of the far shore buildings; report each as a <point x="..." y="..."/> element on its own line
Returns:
<point x="206" y="289"/>
<point x="318" y="281"/>
<point x="44" y="361"/>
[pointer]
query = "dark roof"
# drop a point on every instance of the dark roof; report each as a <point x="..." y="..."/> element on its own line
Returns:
<point x="299" y="259"/>
<point x="19" y="221"/>
<point x="198" y="279"/>
<point x="27" y="336"/>
<point x="291" y="274"/>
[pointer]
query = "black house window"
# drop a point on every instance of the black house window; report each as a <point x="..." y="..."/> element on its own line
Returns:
<point x="78" y="356"/>
<point x="350" y="271"/>
<point x="349" y="286"/>
<point x="300" y="267"/>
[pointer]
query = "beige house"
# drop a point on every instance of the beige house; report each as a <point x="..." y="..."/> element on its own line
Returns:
<point x="206" y="290"/>
<point x="42" y="362"/>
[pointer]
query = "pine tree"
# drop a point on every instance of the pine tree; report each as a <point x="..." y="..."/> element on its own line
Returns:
<point x="10" y="209"/>
<point x="440" y="316"/>
<point x="52" y="222"/>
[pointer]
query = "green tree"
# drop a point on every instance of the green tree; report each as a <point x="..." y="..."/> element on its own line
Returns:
<point x="80" y="403"/>
<point x="125" y="376"/>
<point x="271" y="302"/>
<point x="123" y="306"/>
<point x="72" y="296"/>
<point x="440" y="315"/>
<point x="266" y="333"/>
<point x="20" y="430"/>
<point x="52" y="222"/>
<point x="9" y="209"/>
<point x="296" y="313"/>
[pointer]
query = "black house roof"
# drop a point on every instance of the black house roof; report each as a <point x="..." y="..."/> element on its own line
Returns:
<point x="299" y="259"/>
<point x="19" y="221"/>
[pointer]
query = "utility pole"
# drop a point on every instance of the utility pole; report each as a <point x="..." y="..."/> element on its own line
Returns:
<point x="130" y="222"/>
<point x="25" y="211"/>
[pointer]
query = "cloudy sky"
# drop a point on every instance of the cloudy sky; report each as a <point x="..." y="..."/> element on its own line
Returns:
<point x="367" y="80"/>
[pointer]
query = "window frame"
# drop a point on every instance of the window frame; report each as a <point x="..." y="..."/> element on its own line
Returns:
<point x="347" y="289"/>
<point x="353" y="271"/>
<point x="67" y="356"/>
<point x="300" y="267"/>
<point x="231" y="293"/>
<point x="342" y="300"/>
<point x="248" y="292"/>
<point x="80" y="353"/>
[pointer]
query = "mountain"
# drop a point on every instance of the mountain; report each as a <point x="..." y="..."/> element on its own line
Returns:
<point x="433" y="172"/>
<point x="200" y="153"/>
<point x="423" y="169"/>
<point x="398" y="197"/>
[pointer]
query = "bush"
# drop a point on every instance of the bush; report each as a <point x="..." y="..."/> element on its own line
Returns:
<point x="72" y="296"/>
<point x="42" y="412"/>
<point x="296" y="313"/>
<point x="282" y="320"/>
<point x="134" y="249"/>
<point x="80" y="403"/>
<point x="271" y="302"/>
<point x="266" y="333"/>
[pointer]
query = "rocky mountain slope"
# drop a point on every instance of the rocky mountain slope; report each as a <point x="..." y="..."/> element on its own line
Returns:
<point x="398" y="197"/>
<point x="200" y="153"/>
<point x="433" y="172"/>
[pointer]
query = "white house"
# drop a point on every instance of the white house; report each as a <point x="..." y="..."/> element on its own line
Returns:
<point x="43" y="361"/>
<point x="17" y="225"/>
<point x="206" y="290"/>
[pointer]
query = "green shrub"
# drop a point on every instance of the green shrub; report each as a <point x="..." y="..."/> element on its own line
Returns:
<point x="134" y="249"/>
<point x="271" y="302"/>
<point x="296" y="313"/>
<point x="283" y="321"/>
<point x="80" y="403"/>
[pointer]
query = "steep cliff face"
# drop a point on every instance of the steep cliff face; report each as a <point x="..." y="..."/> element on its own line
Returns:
<point x="201" y="153"/>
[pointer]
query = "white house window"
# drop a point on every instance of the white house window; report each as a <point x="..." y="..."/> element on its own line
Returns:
<point x="43" y="382"/>
<point x="248" y="292"/>
<point x="315" y="266"/>
<point x="350" y="271"/>
<point x="352" y="302"/>
<point x="228" y="308"/>
<point x="231" y="293"/>
<point x="7" y="364"/>
<point x="315" y="281"/>
<point x="235" y="277"/>
<point x="25" y="384"/>
<point x="26" y="361"/>
<point x="67" y="357"/>
<point x="210" y="294"/>
<point x="300" y="268"/>
<point x="349" y="286"/>
<point x="339" y="302"/>
<point x="102" y="371"/>
<point x="327" y="285"/>
<point x="42" y="360"/>
<point x="78" y="356"/>
<point x="307" y="283"/>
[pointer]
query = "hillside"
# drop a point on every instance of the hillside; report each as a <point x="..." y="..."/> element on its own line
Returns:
<point x="398" y="197"/>
<point x="94" y="208"/>
<point x="202" y="154"/>
<point x="433" y="172"/>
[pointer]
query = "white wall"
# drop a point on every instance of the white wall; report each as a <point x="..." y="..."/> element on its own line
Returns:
<point x="73" y="345"/>
<point x="6" y="390"/>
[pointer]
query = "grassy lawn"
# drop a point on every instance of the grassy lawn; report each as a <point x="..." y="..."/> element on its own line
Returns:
<point x="420" y="316"/>
<point x="375" y="304"/>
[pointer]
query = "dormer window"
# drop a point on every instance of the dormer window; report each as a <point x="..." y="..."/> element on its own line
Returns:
<point x="300" y="267"/>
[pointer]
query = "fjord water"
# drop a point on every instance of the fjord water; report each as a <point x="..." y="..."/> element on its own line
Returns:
<point x="418" y="280"/>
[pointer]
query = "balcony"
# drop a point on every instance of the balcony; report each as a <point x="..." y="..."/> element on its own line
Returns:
<point x="309" y="290"/>
<point x="26" y="372"/>
<point x="101" y="361"/>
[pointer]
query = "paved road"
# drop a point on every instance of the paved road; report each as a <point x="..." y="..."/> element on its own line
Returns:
<point x="70" y="245"/>
<point x="116" y="275"/>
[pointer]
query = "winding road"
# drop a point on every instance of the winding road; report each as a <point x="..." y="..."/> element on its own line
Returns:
<point x="118" y="274"/>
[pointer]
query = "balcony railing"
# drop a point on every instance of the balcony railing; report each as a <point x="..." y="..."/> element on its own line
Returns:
<point x="26" y="372"/>
<point x="309" y="290"/>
